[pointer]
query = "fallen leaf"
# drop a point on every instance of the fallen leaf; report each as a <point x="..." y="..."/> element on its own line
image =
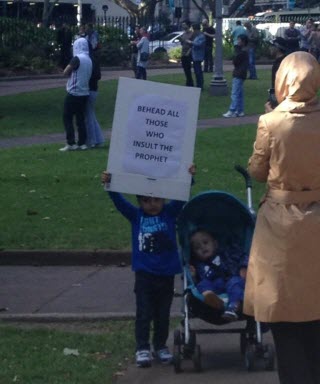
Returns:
<point x="119" y="373"/>
<point x="71" y="352"/>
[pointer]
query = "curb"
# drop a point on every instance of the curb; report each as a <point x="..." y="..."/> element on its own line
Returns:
<point x="61" y="76"/>
<point x="72" y="317"/>
<point x="65" y="257"/>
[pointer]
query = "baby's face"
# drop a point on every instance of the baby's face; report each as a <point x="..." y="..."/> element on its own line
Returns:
<point x="203" y="245"/>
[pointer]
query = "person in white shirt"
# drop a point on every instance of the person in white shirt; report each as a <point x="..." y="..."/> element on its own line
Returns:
<point x="79" y="71"/>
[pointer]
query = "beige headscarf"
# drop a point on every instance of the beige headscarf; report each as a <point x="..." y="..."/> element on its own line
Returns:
<point x="297" y="82"/>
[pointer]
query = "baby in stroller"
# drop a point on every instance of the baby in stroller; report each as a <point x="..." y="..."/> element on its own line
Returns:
<point x="218" y="270"/>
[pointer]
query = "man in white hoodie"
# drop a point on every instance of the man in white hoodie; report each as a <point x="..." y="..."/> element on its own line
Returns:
<point x="79" y="71"/>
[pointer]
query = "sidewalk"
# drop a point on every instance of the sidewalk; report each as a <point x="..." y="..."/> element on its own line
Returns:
<point x="96" y="293"/>
<point x="53" y="138"/>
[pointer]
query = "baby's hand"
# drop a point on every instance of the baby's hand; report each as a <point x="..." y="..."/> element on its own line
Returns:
<point x="192" y="169"/>
<point x="105" y="177"/>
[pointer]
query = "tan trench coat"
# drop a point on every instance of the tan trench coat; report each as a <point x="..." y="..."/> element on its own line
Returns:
<point x="283" y="279"/>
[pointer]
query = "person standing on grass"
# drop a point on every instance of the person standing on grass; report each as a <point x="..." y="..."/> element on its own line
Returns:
<point x="143" y="54"/>
<point x="292" y="36"/>
<point x="305" y="33"/>
<point x="95" y="136"/>
<point x="198" y="43"/>
<point x="209" y="33"/>
<point x="186" y="57"/>
<point x="253" y="41"/>
<point x="79" y="71"/>
<point x="155" y="261"/>
<point x="134" y="49"/>
<point x="241" y="63"/>
<point x="238" y="30"/>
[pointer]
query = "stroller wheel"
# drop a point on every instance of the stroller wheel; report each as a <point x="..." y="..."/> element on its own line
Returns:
<point x="196" y="358"/>
<point x="250" y="357"/>
<point x="269" y="356"/>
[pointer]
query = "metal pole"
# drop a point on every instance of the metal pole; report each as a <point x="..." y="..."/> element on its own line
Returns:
<point x="218" y="85"/>
<point x="79" y="12"/>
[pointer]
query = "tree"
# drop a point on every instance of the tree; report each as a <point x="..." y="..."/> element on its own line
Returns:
<point x="204" y="6"/>
<point x="47" y="11"/>
<point x="144" y="10"/>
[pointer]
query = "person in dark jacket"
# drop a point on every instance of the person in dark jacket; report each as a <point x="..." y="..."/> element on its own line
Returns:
<point x="95" y="137"/>
<point x="241" y="64"/>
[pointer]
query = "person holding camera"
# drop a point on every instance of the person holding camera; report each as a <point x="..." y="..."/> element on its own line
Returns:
<point x="278" y="50"/>
<point x="282" y="286"/>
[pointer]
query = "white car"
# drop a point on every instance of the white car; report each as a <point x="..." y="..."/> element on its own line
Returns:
<point x="168" y="42"/>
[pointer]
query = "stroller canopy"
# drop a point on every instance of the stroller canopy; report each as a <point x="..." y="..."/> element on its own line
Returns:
<point x="220" y="213"/>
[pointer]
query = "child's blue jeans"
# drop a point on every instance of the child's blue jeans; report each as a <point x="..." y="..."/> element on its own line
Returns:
<point x="154" y="296"/>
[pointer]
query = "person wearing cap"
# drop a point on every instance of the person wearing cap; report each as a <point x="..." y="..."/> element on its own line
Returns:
<point x="278" y="50"/>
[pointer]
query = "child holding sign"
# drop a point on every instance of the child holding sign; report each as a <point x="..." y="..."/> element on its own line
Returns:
<point x="155" y="262"/>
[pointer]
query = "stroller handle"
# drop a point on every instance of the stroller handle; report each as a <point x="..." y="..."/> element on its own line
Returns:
<point x="245" y="174"/>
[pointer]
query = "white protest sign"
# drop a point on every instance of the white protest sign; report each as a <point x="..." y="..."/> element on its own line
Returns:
<point x="152" y="141"/>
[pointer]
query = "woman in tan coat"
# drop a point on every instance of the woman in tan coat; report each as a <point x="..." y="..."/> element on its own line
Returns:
<point x="283" y="279"/>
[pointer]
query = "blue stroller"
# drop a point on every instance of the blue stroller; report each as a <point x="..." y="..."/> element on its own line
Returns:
<point x="233" y="223"/>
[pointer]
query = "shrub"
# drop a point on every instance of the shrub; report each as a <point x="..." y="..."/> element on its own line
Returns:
<point x="175" y="53"/>
<point x="159" y="56"/>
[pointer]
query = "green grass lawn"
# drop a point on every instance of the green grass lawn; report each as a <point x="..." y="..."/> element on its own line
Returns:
<point x="40" y="112"/>
<point x="36" y="356"/>
<point x="54" y="200"/>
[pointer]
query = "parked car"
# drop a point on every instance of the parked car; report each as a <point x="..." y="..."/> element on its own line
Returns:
<point x="168" y="42"/>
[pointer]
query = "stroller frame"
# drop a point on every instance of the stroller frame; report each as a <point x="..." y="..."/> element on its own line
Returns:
<point x="251" y="338"/>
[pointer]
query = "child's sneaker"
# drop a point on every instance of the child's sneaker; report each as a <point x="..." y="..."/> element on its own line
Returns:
<point x="164" y="356"/>
<point x="143" y="358"/>
<point x="232" y="312"/>
<point x="240" y="114"/>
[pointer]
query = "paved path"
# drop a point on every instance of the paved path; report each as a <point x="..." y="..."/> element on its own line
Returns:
<point x="60" y="137"/>
<point x="90" y="293"/>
